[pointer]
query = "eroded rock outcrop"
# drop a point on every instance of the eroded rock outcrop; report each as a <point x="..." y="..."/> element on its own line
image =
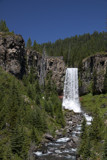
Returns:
<point x="33" y="60"/>
<point x="93" y="74"/>
<point x="54" y="64"/>
<point x="14" y="58"/>
<point x="57" y="66"/>
<point x="12" y="54"/>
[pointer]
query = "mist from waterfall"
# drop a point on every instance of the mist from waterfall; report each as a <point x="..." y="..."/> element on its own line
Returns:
<point x="71" y="96"/>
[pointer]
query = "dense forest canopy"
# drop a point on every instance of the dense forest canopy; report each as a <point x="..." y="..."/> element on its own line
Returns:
<point x="27" y="111"/>
<point x="75" y="49"/>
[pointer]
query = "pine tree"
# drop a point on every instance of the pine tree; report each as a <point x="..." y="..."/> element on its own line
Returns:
<point x="83" y="128"/>
<point x="29" y="44"/>
<point x="17" y="139"/>
<point x="87" y="148"/>
<point x="85" y="145"/>
<point x="83" y="137"/>
<point x="96" y="126"/>
<point x="105" y="81"/>
<point x="105" y="150"/>
<point x="35" y="45"/>
<point x="3" y="26"/>
<point x="94" y="83"/>
<point x="14" y="105"/>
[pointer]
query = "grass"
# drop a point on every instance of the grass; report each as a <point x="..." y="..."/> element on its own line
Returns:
<point x="90" y="102"/>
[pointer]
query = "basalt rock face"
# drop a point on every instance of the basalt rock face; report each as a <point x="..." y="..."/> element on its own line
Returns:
<point x="33" y="60"/>
<point x="54" y="64"/>
<point x="93" y="74"/>
<point x="57" y="66"/>
<point x="12" y="54"/>
<point x="14" y="58"/>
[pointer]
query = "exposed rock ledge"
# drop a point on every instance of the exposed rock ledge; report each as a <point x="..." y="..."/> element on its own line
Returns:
<point x="12" y="54"/>
<point x="93" y="69"/>
<point x="14" y="58"/>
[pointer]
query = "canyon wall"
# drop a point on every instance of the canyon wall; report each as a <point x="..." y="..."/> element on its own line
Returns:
<point x="18" y="60"/>
<point x="92" y="75"/>
<point x="12" y="54"/>
<point x="14" y="58"/>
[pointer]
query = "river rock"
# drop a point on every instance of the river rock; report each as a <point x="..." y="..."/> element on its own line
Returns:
<point x="75" y="139"/>
<point x="103" y="106"/>
<point x="49" y="137"/>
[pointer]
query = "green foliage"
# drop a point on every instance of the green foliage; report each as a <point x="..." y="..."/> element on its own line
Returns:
<point x="92" y="137"/>
<point x="3" y="26"/>
<point x="105" y="150"/>
<point x="97" y="126"/>
<point x="90" y="87"/>
<point x="29" y="44"/>
<point x="83" y="128"/>
<point x="75" y="49"/>
<point x="26" y="113"/>
<point x="85" y="146"/>
<point x="105" y="81"/>
<point x="34" y="45"/>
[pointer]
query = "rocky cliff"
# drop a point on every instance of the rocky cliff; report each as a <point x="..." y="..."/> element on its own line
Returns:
<point x="57" y="66"/>
<point x="93" y="73"/>
<point x="54" y="64"/>
<point x="12" y="54"/>
<point x="33" y="59"/>
<point x="14" y="58"/>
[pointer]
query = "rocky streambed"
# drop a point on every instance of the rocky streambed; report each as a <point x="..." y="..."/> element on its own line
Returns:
<point x="64" y="145"/>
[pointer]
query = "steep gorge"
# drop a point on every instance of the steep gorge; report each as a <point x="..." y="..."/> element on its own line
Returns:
<point x="18" y="60"/>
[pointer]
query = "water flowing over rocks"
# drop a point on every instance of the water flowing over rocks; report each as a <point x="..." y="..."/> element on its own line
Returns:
<point x="64" y="145"/>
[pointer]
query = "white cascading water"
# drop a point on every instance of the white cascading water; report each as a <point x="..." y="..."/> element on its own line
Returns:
<point x="71" y="96"/>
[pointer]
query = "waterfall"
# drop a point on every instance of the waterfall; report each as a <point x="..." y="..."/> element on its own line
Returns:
<point x="71" y="96"/>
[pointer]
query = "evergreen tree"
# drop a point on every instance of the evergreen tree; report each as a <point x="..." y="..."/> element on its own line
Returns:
<point x="85" y="144"/>
<point x="96" y="126"/>
<point x="94" y="91"/>
<point x="14" y="105"/>
<point x="34" y="135"/>
<point x="29" y="44"/>
<point x="3" y="26"/>
<point x="105" y="150"/>
<point x="87" y="148"/>
<point x="35" y="46"/>
<point x="17" y="139"/>
<point x="105" y="81"/>
<point x="83" y="128"/>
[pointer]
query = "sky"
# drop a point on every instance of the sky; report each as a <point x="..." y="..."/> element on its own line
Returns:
<point x="49" y="20"/>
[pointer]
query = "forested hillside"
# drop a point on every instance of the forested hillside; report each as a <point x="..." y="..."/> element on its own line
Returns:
<point x="76" y="48"/>
<point x="27" y="111"/>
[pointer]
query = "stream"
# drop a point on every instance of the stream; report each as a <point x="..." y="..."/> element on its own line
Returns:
<point x="64" y="147"/>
